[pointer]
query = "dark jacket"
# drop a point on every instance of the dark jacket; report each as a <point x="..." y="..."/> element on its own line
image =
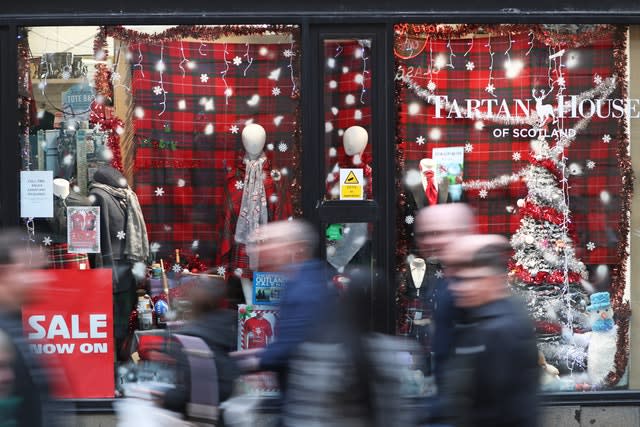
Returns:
<point x="491" y="378"/>
<point x="35" y="406"/>
<point x="218" y="330"/>
<point x="113" y="216"/>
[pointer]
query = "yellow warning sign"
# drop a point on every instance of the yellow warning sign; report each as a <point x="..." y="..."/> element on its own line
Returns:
<point x="351" y="184"/>
<point x="351" y="178"/>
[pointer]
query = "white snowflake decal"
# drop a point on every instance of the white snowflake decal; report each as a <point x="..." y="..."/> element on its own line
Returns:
<point x="591" y="246"/>
<point x="439" y="274"/>
<point x="420" y="140"/>
<point x="597" y="79"/>
<point x="115" y="77"/>
<point x="591" y="164"/>
<point x="470" y="65"/>
<point x="288" y="53"/>
<point x="606" y="138"/>
<point x="409" y="219"/>
<point x="490" y="88"/>
<point x="159" y="191"/>
<point x="275" y="91"/>
<point x="121" y="235"/>
<point x="234" y="129"/>
<point x="177" y="268"/>
<point x="282" y="147"/>
<point x="204" y="78"/>
<point x="47" y="241"/>
<point x="468" y="147"/>
<point x="155" y="247"/>
<point x="561" y="81"/>
<point x="239" y="185"/>
<point x="516" y="156"/>
<point x="195" y="244"/>
<point x="431" y="85"/>
<point x="157" y="90"/>
<point x="237" y="61"/>
<point x="221" y="271"/>
<point x="483" y="193"/>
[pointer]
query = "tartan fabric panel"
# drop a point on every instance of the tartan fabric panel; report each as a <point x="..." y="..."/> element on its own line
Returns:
<point x="189" y="115"/>
<point x="60" y="259"/>
<point x="347" y="102"/>
<point x="594" y="198"/>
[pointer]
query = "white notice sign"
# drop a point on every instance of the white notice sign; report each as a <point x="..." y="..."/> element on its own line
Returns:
<point x="36" y="194"/>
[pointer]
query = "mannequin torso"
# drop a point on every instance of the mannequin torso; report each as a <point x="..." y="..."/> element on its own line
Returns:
<point x="418" y="269"/>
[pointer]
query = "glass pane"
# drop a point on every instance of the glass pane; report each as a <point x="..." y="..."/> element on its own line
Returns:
<point x="347" y="113"/>
<point x="349" y="245"/>
<point x="200" y="128"/>
<point x="528" y="125"/>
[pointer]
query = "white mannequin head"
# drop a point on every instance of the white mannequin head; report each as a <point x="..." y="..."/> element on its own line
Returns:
<point x="253" y="139"/>
<point x="61" y="188"/>
<point x="427" y="165"/>
<point x="355" y="140"/>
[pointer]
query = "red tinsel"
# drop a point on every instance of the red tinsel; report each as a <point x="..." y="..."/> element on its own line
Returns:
<point x="540" y="32"/>
<point x="111" y="126"/>
<point x="544" y="327"/>
<point x="556" y="277"/>
<point x="542" y="213"/>
<point x="548" y="164"/>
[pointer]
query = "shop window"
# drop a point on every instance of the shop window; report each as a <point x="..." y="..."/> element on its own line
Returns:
<point x="198" y="125"/>
<point x="347" y="114"/>
<point x="529" y="125"/>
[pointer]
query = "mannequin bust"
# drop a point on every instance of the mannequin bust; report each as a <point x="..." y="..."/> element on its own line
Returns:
<point x="418" y="268"/>
<point x="253" y="139"/>
<point x="61" y="188"/>
<point x="355" y="140"/>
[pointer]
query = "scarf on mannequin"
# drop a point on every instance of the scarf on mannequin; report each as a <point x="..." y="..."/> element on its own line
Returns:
<point x="253" y="208"/>
<point x="136" y="246"/>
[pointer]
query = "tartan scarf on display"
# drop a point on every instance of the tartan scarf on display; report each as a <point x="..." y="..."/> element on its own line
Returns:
<point x="137" y="243"/>
<point x="253" y="208"/>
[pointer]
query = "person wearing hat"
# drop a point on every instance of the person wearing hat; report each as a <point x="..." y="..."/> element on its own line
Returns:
<point x="491" y="377"/>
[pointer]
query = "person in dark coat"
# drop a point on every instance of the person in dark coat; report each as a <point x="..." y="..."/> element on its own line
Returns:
<point x="217" y="327"/>
<point x="25" y="384"/>
<point x="491" y="377"/>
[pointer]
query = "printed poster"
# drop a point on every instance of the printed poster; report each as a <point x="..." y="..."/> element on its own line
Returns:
<point x="36" y="194"/>
<point x="83" y="229"/>
<point x="256" y="326"/>
<point x="256" y="329"/>
<point x="450" y="167"/>
<point x="71" y="329"/>
<point x="267" y="288"/>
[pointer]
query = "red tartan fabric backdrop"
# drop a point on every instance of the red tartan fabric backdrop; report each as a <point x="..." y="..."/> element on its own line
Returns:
<point x="192" y="101"/>
<point x="467" y="70"/>
<point x="347" y="100"/>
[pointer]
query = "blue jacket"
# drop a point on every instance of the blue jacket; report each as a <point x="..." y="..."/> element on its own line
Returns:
<point x="305" y="299"/>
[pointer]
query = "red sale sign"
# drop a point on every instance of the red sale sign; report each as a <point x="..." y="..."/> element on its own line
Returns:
<point x="71" y="325"/>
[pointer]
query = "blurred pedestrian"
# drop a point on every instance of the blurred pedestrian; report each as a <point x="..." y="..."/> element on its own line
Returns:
<point x="217" y="327"/>
<point x="491" y="378"/>
<point x="436" y="227"/>
<point x="288" y="247"/>
<point x="28" y="385"/>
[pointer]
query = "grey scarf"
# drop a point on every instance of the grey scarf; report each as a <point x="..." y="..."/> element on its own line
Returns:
<point x="253" y="208"/>
<point x="136" y="246"/>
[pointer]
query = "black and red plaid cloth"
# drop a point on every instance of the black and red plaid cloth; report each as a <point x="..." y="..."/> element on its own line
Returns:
<point x="192" y="101"/>
<point x="467" y="68"/>
<point x="60" y="259"/>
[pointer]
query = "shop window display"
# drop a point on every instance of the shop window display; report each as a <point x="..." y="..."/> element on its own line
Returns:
<point x="528" y="124"/>
<point x="187" y="139"/>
